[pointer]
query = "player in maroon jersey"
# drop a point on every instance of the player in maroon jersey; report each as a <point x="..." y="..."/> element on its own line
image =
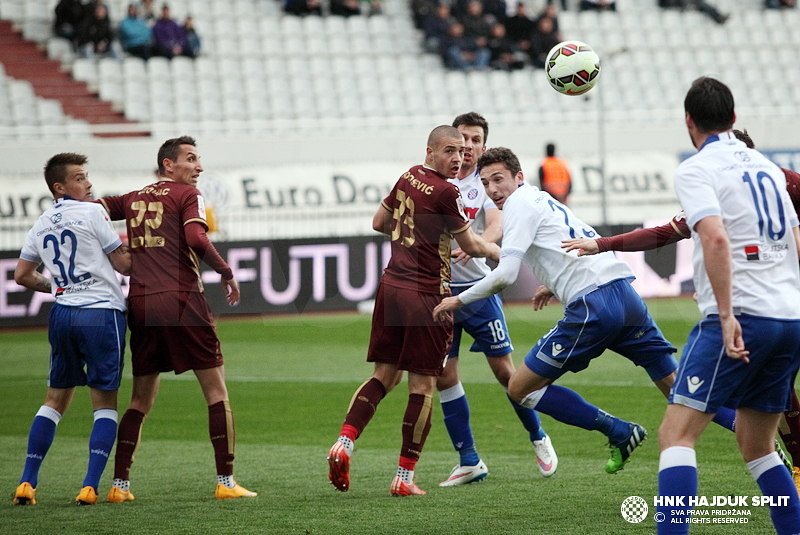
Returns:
<point x="652" y="238"/>
<point x="422" y="214"/>
<point x="171" y="324"/>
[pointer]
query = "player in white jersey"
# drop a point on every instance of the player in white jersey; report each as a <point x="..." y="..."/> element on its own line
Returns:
<point x="76" y="243"/>
<point x="483" y="320"/>
<point x="744" y="352"/>
<point x="602" y="311"/>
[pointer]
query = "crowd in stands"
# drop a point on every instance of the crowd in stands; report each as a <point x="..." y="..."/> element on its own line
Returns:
<point x="143" y="33"/>
<point x="480" y="34"/>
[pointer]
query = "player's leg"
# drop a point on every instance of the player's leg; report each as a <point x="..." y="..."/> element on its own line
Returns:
<point x="535" y="391"/>
<point x="221" y="430"/>
<point x="754" y="433"/>
<point x="455" y="409"/>
<point x="129" y="433"/>
<point x="40" y="437"/>
<point x="101" y="442"/>
<point x="503" y="368"/>
<point x="359" y="413"/>
<point x="789" y="430"/>
<point x="677" y="468"/>
<point x="416" y="426"/>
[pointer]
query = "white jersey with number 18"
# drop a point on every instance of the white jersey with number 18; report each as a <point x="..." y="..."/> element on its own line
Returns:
<point x="476" y="202"/>
<point x="748" y="192"/>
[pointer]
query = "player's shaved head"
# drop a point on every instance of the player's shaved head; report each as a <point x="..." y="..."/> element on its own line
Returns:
<point x="443" y="133"/>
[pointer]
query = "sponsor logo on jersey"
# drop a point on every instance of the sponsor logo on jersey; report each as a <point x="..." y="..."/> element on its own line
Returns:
<point x="557" y="349"/>
<point x="751" y="251"/>
<point x="693" y="383"/>
<point x="742" y="156"/>
<point x="56" y="218"/>
<point x="472" y="193"/>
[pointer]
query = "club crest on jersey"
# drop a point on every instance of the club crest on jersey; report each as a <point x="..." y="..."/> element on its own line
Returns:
<point x="472" y="194"/>
<point x="56" y="218"/>
<point x="751" y="251"/>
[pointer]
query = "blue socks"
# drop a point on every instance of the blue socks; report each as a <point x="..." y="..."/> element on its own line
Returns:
<point x="774" y="481"/>
<point x="456" y="418"/>
<point x="567" y="406"/>
<point x="43" y="430"/>
<point x="677" y="481"/>
<point x="104" y="432"/>
<point x="530" y="420"/>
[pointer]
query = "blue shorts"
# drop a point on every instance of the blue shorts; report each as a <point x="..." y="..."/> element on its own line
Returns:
<point x="94" y="337"/>
<point x="485" y="323"/>
<point x="611" y="317"/>
<point x="708" y="378"/>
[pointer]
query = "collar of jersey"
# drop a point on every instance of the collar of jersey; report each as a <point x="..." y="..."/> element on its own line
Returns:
<point x="718" y="137"/>
<point x="64" y="198"/>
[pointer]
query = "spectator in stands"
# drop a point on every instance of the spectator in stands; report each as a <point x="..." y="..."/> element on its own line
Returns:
<point x="519" y="29"/>
<point x="69" y="14"/>
<point x="169" y="38"/>
<point x="700" y="5"/>
<point x="598" y="5"/>
<point x="420" y="9"/>
<point x="775" y="4"/>
<point x="95" y="36"/>
<point x="147" y="11"/>
<point x="303" y="7"/>
<point x="544" y="38"/>
<point x="496" y="9"/>
<point x="504" y="53"/>
<point x="192" y="48"/>
<point x="135" y="35"/>
<point x="436" y="26"/>
<point x="462" y="53"/>
<point x="550" y="12"/>
<point x="345" y="8"/>
<point x="477" y="25"/>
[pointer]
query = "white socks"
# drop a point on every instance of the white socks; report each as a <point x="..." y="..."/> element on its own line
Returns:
<point x="227" y="481"/>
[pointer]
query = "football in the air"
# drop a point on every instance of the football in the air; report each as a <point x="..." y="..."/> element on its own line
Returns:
<point x="572" y="67"/>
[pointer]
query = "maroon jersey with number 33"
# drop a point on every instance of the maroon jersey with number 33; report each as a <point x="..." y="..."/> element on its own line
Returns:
<point x="427" y="211"/>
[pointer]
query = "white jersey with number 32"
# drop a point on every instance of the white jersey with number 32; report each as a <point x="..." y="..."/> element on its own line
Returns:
<point x="72" y="239"/>
<point x="748" y="192"/>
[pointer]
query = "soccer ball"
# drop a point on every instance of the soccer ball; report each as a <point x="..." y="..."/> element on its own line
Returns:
<point x="572" y="67"/>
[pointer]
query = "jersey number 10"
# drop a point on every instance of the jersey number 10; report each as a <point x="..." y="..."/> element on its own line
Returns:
<point x="760" y="177"/>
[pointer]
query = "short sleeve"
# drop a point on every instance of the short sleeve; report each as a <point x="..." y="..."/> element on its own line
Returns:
<point x="696" y="194"/>
<point x="29" y="251"/>
<point x="106" y="235"/>
<point x="194" y="209"/>
<point x="451" y="206"/>
<point x="114" y="206"/>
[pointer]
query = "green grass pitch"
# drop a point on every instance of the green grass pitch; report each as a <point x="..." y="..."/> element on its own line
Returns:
<point x="290" y="381"/>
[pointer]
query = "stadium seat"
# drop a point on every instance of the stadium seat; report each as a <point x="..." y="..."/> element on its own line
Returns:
<point x="85" y="70"/>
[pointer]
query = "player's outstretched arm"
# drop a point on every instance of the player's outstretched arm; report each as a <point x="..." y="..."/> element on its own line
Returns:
<point x="585" y="246"/>
<point x="443" y="311"/>
<point x="492" y="233"/>
<point x="474" y="245"/>
<point x="120" y="259"/>
<point x="26" y="275"/>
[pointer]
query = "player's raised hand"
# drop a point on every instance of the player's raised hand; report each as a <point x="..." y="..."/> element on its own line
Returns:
<point x="442" y="312"/>
<point x="732" y="338"/>
<point x="541" y="297"/>
<point x="585" y="246"/>
<point x="458" y="255"/>
<point x="231" y="288"/>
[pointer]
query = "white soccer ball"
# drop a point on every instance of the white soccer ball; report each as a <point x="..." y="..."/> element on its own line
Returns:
<point x="572" y="67"/>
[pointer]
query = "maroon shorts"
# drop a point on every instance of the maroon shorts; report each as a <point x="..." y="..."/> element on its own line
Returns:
<point x="172" y="331"/>
<point x="404" y="333"/>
